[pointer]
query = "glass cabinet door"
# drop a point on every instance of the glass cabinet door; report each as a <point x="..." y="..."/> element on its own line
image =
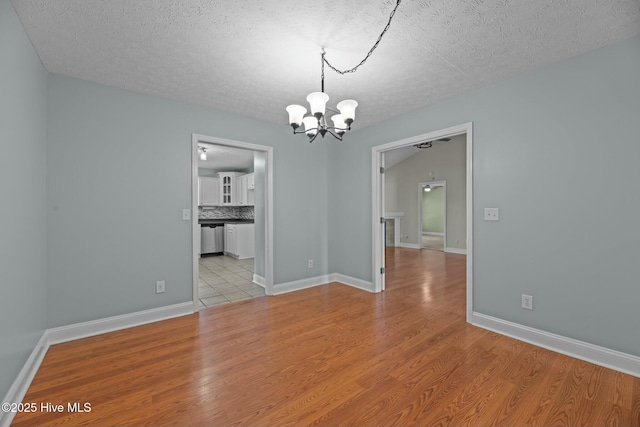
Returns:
<point x="226" y="188"/>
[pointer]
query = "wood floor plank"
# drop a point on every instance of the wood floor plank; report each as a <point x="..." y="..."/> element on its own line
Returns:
<point x="331" y="355"/>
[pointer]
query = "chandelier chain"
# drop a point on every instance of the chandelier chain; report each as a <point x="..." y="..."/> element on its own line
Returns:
<point x="352" y="70"/>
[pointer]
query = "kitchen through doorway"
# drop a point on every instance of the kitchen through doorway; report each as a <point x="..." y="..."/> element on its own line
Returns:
<point x="232" y="188"/>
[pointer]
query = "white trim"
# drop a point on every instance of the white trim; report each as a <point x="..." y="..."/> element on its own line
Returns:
<point x="296" y="285"/>
<point x="431" y="233"/>
<point x="268" y="243"/>
<point x="195" y="225"/>
<point x="410" y="245"/>
<point x="22" y="382"/>
<point x="377" y="154"/>
<point x="258" y="280"/>
<point x="623" y="362"/>
<point x="115" y="323"/>
<point x="469" y="191"/>
<point x="456" y="251"/>
<point x="352" y="281"/>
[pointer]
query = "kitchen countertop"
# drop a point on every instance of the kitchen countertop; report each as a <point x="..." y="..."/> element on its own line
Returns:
<point x="225" y="221"/>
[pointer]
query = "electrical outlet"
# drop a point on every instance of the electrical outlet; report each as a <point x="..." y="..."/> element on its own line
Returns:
<point x="160" y="287"/>
<point x="527" y="302"/>
<point x="310" y="264"/>
<point x="491" y="214"/>
<point x="186" y="214"/>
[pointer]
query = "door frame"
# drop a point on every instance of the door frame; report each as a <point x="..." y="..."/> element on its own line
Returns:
<point x="377" y="211"/>
<point x="421" y="185"/>
<point x="268" y="229"/>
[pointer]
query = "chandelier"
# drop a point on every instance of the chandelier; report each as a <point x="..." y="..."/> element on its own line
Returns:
<point x="316" y="123"/>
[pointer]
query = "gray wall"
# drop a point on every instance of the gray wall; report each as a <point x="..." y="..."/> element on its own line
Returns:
<point x="114" y="153"/>
<point x="545" y="144"/>
<point x="23" y="263"/>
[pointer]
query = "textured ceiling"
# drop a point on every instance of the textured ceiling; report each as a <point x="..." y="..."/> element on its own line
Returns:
<point x="253" y="57"/>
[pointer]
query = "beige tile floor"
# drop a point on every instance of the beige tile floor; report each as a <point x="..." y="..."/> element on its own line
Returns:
<point x="224" y="279"/>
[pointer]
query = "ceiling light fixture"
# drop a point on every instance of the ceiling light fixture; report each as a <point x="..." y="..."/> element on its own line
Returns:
<point x="316" y="123"/>
<point x="427" y="188"/>
<point x="203" y="154"/>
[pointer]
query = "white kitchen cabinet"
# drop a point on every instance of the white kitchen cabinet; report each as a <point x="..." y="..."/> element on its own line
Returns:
<point x="241" y="186"/>
<point x="229" y="239"/>
<point x="208" y="191"/>
<point x="251" y="194"/>
<point x="239" y="240"/>
<point x="245" y="187"/>
<point x="228" y="191"/>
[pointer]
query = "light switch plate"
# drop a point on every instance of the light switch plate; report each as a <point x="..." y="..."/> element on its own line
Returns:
<point x="491" y="214"/>
<point x="186" y="214"/>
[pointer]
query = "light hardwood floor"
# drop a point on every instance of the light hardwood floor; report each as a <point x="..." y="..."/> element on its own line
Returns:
<point x="332" y="356"/>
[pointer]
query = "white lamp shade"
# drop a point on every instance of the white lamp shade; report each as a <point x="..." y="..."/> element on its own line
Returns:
<point x="318" y="102"/>
<point x="203" y="156"/>
<point x="348" y="109"/>
<point x="310" y="125"/>
<point x="296" y="112"/>
<point x="338" y="123"/>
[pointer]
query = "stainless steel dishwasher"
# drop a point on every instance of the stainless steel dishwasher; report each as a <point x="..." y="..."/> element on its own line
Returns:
<point x="211" y="238"/>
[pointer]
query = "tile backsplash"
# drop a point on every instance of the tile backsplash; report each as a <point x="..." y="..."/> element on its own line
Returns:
<point x="225" y="212"/>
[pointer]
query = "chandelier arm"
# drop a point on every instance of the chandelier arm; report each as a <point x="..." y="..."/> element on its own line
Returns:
<point x="297" y="132"/>
<point x="352" y="70"/>
<point x="333" y="134"/>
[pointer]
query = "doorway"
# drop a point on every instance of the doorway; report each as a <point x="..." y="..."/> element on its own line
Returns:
<point x="432" y="215"/>
<point x="378" y="202"/>
<point x="263" y="218"/>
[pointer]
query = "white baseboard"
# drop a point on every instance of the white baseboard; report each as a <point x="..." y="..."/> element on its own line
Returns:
<point x="352" y="281"/>
<point x="296" y="285"/>
<point x="110" y="324"/>
<point x="623" y="362"/>
<point x="456" y="251"/>
<point x="21" y="384"/>
<point x="259" y="280"/>
<point x="410" y="245"/>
